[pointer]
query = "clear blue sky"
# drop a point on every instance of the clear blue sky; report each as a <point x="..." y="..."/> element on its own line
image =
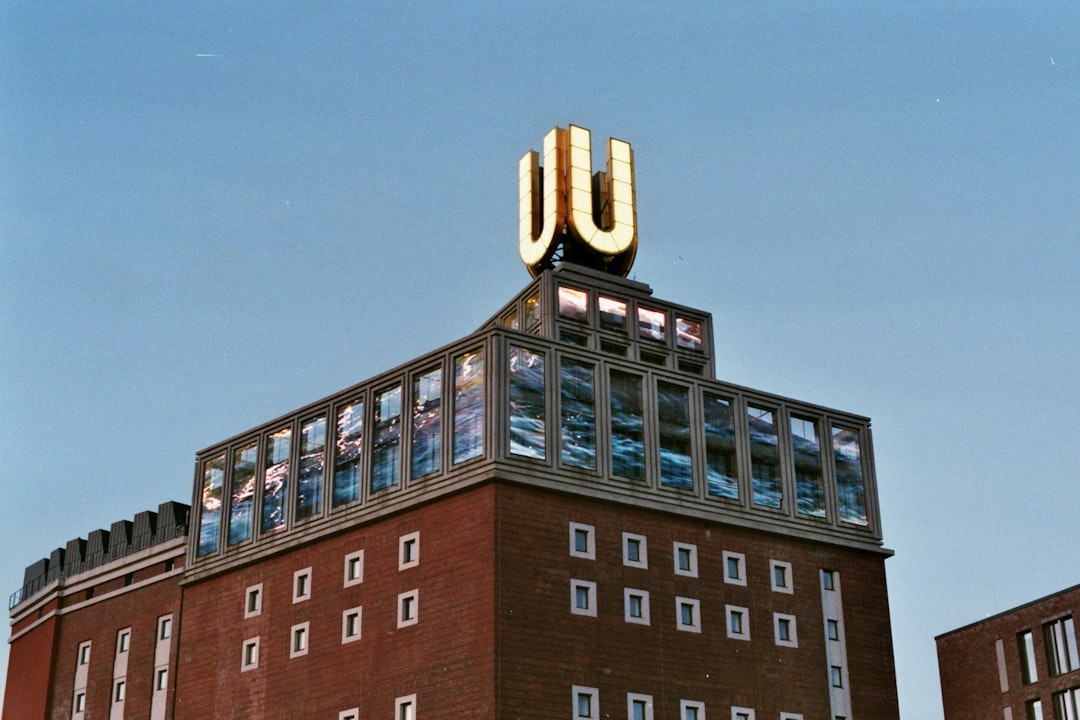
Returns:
<point x="213" y="213"/>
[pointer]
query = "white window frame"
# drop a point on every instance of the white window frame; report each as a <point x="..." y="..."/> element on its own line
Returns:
<point x="164" y="629"/>
<point x="594" y="702"/>
<point x="350" y="714"/>
<point x="161" y="679"/>
<point x="729" y="612"/>
<point x="589" y="553"/>
<point x="695" y="605"/>
<point x="789" y="587"/>
<point x="119" y="690"/>
<point x="740" y="565"/>
<point x="793" y="639"/>
<point x="629" y="539"/>
<point x="358" y="613"/>
<point x="830" y="624"/>
<point x="697" y="706"/>
<point x="643" y="596"/>
<point x="410" y="601"/>
<point x="791" y="716"/>
<point x="299" y="639"/>
<point x="742" y="713"/>
<point x="828" y="580"/>
<point x="82" y="655"/>
<point x="590" y="588"/>
<point x="836" y="676"/>
<point x="249" y="654"/>
<point x="78" y="703"/>
<point x="405" y="707"/>
<point x="301" y="585"/>
<point x="123" y="641"/>
<point x="354" y="561"/>
<point x="632" y="698"/>
<point x="409" y="550"/>
<point x="253" y="592"/>
<point x="691" y="551"/>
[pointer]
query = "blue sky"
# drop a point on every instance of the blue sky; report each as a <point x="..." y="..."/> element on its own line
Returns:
<point x="214" y="213"/>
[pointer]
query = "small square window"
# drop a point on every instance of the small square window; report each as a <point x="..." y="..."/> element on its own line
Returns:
<point x="161" y="679"/>
<point x="832" y="629"/>
<point x="409" y="551"/>
<point x="123" y="640"/>
<point x="583" y="597"/>
<point x="119" y="691"/>
<point x="785" y="631"/>
<point x="165" y="627"/>
<point x="405" y="708"/>
<point x="80" y="702"/>
<point x="636" y="606"/>
<point x="301" y="585"/>
<point x="350" y="624"/>
<point x="408" y="608"/>
<point x="688" y="614"/>
<point x="351" y="714"/>
<point x="781" y="576"/>
<point x="741" y="713"/>
<point x="734" y="568"/>
<point x="828" y="580"/>
<point x="586" y="703"/>
<point x="253" y="601"/>
<point x="354" y="568"/>
<point x="299" y="644"/>
<point x="249" y="658"/>
<point x="836" y="676"/>
<point x="582" y="541"/>
<point x="639" y="707"/>
<point x="691" y="710"/>
<point x="791" y="716"/>
<point x="635" y="550"/>
<point x="686" y="559"/>
<point x="738" y="622"/>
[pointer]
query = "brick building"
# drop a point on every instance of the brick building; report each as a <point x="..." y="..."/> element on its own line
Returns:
<point x="563" y="514"/>
<point x="1022" y="663"/>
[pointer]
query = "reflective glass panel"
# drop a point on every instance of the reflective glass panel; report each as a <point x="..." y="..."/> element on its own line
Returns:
<point x="210" y="514"/>
<point x="809" y="487"/>
<point x="532" y="311"/>
<point x="347" y="453"/>
<point x="850" y="491"/>
<point x="578" y="437"/>
<point x="764" y="465"/>
<point x="386" y="447"/>
<point x="427" y="423"/>
<point x="276" y="480"/>
<point x="688" y="334"/>
<point x="673" y="413"/>
<point x="627" y="426"/>
<point x="651" y="323"/>
<point x="468" y="406"/>
<point x="612" y="313"/>
<point x="720" y="466"/>
<point x="573" y="304"/>
<point x="242" y="500"/>
<point x="309" y="486"/>
<point x="527" y="413"/>
<point x="511" y="321"/>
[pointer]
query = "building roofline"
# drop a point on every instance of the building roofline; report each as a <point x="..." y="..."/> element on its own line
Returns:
<point x="998" y="616"/>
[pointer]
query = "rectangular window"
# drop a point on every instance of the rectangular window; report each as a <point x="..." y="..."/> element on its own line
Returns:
<point x="348" y="450"/>
<point x="427" y="423"/>
<point x="652" y="324"/>
<point x="586" y="702"/>
<point x="809" y="486"/>
<point x="612" y="314"/>
<point x="1028" y="670"/>
<point x="785" y="631"/>
<point x="636" y="606"/>
<point x="527" y="411"/>
<point x="83" y="653"/>
<point x="165" y="627"/>
<point x="161" y="679"/>
<point x="791" y="716"/>
<point x="734" y="568"/>
<point x="299" y="645"/>
<point x="627" y="426"/>
<point x="635" y="550"/>
<point x="828" y="580"/>
<point x="1033" y="710"/>
<point x="673" y="417"/>
<point x="80" y="702"/>
<point x="583" y="597"/>
<point x="639" y="707"/>
<point x="1067" y="704"/>
<point x="836" y="676"/>
<point x="119" y="691"/>
<point x="468" y="406"/>
<point x="687" y="334"/>
<point x="242" y="497"/>
<point x="578" y="414"/>
<point x="409" y="551"/>
<point x="573" y="304"/>
<point x="350" y="624"/>
<point x="582" y="541"/>
<point x="741" y="713"/>
<point x="350" y="714"/>
<point x="249" y="657"/>
<point x="253" y="601"/>
<point x="685" y="559"/>
<point x="688" y="614"/>
<point x="721" y="471"/>
<point x="301" y="585"/>
<point x="309" y="486"/>
<point x="123" y="640"/>
<point x="832" y="630"/>
<point x="1061" y="651"/>
<point x="354" y="568"/>
<point x="850" y="489"/>
<point x="691" y="710"/>
<point x="738" y="622"/>
<point x="276" y="479"/>
<point x="386" y="450"/>
<point x="210" y="513"/>
<point x="781" y="576"/>
<point x="405" y="708"/>
<point x="408" y="608"/>
<point x="764" y="457"/>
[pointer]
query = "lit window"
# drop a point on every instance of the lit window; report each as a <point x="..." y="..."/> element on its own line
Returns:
<point x="685" y="559"/>
<point x="785" y="630"/>
<point x="350" y="624"/>
<point x="836" y="676"/>
<point x="301" y="585"/>
<point x="1061" y="651"/>
<point x="738" y="622"/>
<point x="639" y="707"/>
<point x="612" y="314"/>
<point x="409" y="551"/>
<point x="123" y="640"/>
<point x="688" y="333"/>
<point x="354" y="568"/>
<point x="582" y="541"/>
<point x="119" y="691"/>
<point x="299" y="634"/>
<point x="828" y="580"/>
<point x="253" y="601"/>
<point x="781" y="576"/>
<point x="635" y="550"/>
<point x="651" y="324"/>
<point x="832" y="628"/>
<point x="165" y="627"/>
<point x="532" y="311"/>
<point x="583" y="597"/>
<point x="691" y="710"/>
<point x="249" y="657"/>
<point x="161" y="679"/>
<point x="741" y="713"/>
<point x="734" y="568"/>
<point x="688" y="614"/>
<point x="586" y="703"/>
<point x="636" y="606"/>
<point x="408" y="609"/>
<point x="405" y="708"/>
<point x="573" y="304"/>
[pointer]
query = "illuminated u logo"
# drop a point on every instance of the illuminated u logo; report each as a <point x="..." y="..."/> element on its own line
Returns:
<point x="591" y="220"/>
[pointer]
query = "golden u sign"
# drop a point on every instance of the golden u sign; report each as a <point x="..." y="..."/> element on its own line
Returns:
<point x="591" y="220"/>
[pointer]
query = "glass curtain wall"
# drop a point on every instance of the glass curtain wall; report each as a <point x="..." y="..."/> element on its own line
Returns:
<point x="468" y="406"/>
<point x="578" y="414"/>
<point x="427" y="423"/>
<point x="720" y="460"/>
<point x="673" y="414"/>
<point x="627" y="426"/>
<point x="527" y="411"/>
<point x="210" y="516"/>
<point x="242" y="499"/>
<point x="347" y="453"/>
<point x="276" y="480"/>
<point x="309" y="486"/>
<point x="764" y="457"/>
<point x="386" y="448"/>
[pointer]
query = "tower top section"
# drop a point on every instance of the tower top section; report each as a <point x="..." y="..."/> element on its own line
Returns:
<point x="568" y="214"/>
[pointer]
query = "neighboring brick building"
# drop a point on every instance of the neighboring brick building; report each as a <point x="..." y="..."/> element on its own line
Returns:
<point x="562" y="514"/>
<point x="1022" y="663"/>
